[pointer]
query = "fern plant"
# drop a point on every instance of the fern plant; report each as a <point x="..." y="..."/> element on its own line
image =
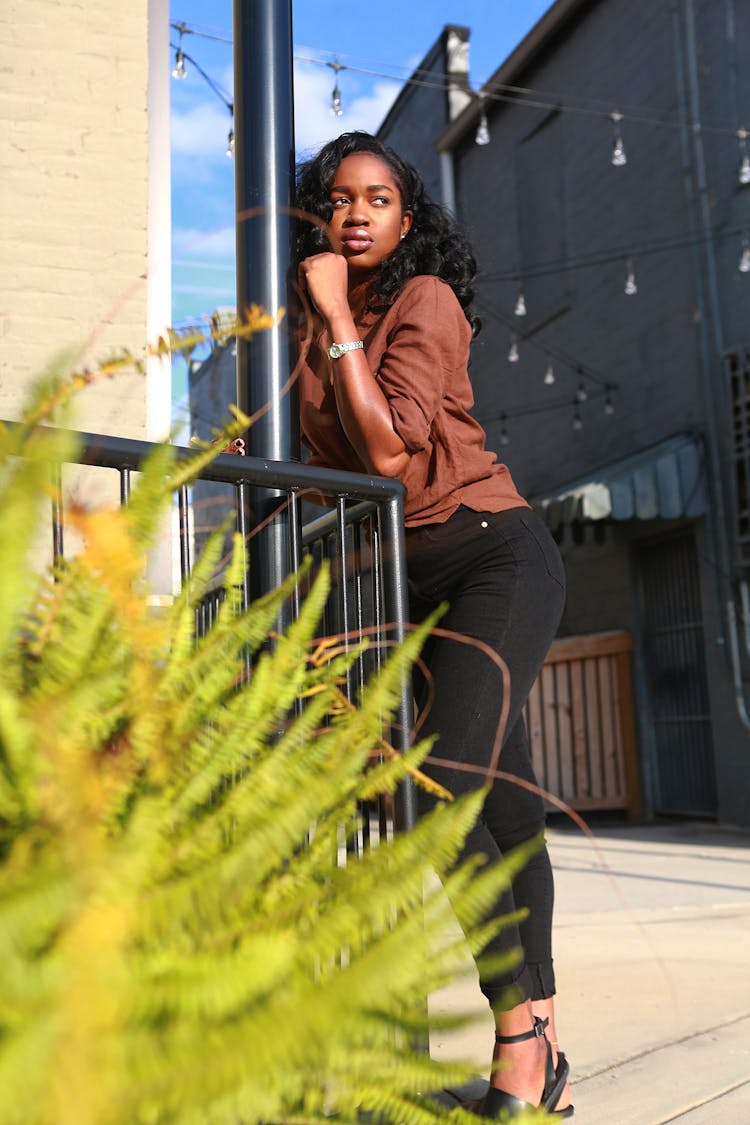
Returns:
<point x="179" y="939"/>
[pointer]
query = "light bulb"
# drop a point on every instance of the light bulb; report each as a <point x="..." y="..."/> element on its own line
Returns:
<point x="504" y="436"/>
<point x="230" y="143"/>
<point x="744" y="263"/>
<point x="178" y="71"/>
<point x="630" y="286"/>
<point x="581" y="394"/>
<point x="549" y="375"/>
<point x="482" y="136"/>
<point x="619" y="156"/>
<point x="513" y="353"/>
<point x="336" y="107"/>
<point x="520" y="309"/>
<point x="743" y="174"/>
<point x="577" y="421"/>
<point x="609" y="408"/>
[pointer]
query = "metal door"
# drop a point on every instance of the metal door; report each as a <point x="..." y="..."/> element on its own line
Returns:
<point x="674" y="659"/>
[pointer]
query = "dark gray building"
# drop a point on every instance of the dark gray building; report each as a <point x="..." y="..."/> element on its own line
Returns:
<point x="610" y="215"/>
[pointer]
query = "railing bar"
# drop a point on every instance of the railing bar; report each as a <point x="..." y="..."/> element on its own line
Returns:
<point x="326" y="523"/>
<point x="184" y="513"/>
<point x="295" y="546"/>
<point x="124" y="485"/>
<point x="396" y="603"/>
<point x="377" y="588"/>
<point x="340" y="547"/>
<point x="241" y="502"/>
<point x="360" y="549"/>
<point x="58" y="552"/>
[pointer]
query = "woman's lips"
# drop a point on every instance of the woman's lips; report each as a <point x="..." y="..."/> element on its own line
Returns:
<point x="357" y="240"/>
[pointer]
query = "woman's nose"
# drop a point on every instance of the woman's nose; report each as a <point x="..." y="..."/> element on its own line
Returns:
<point x="357" y="213"/>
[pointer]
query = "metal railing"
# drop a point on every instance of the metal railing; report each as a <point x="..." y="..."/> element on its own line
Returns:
<point x="361" y="537"/>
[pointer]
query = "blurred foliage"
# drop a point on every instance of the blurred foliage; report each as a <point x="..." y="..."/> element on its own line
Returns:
<point x="183" y="937"/>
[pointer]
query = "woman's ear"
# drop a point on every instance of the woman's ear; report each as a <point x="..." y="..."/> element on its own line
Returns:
<point x="406" y="220"/>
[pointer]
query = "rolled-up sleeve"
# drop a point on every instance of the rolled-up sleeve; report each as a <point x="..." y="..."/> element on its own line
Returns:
<point x="419" y="357"/>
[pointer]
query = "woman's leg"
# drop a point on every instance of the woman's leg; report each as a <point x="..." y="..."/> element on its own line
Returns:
<point x="506" y="590"/>
<point x="533" y="890"/>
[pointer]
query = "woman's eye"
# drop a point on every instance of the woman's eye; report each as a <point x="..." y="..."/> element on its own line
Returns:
<point x="380" y="199"/>
<point x="340" y="201"/>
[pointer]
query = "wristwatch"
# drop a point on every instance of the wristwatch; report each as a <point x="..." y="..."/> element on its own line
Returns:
<point x="337" y="350"/>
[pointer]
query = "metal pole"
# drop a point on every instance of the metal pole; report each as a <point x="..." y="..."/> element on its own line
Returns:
<point x="264" y="184"/>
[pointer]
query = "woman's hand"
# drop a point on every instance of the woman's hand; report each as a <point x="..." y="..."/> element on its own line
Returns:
<point x="326" y="279"/>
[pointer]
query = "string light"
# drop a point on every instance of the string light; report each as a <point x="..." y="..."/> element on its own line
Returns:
<point x="630" y="286"/>
<point x="500" y="92"/>
<point x="577" y="420"/>
<point x="743" y="174"/>
<point x="504" y="435"/>
<point x="482" y="135"/>
<point x="513" y="353"/>
<point x="551" y="352"/>
<point x="336" y="107"/>
<point x="549" y="375"/>
<point x="520" y="309"/>
<point x="609" y="406"/>
<point x="178" y="70"/>
<point x="581" y="394"/>
<point x="619" y="156"/>
<point x="744" y="263"/>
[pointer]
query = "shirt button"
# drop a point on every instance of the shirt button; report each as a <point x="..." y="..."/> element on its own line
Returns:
<point x="485" y="524"/>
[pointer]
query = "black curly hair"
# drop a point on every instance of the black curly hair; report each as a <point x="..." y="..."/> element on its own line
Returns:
<point x="434" y="245"/>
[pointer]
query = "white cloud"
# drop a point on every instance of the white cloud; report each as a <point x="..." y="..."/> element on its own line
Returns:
<point x="212" y="245"/>
<point x="200" y="130"/>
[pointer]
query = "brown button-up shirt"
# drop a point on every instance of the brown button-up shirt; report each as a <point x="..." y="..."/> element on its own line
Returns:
<point x="418" y="350"/>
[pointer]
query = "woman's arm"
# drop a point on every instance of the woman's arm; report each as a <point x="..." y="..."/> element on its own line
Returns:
<point x="363" y="408"/>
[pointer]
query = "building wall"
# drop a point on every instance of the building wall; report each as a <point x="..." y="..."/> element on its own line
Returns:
<point x="599" y="594"/>
<point x="555" y="196"/>
<point x="544" y="193"/>
<point x="74" y="198"/>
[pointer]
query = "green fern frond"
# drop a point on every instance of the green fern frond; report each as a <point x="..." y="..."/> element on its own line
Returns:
<point x="188" y="931"/>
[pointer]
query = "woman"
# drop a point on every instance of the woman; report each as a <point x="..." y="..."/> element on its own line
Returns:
<point x="385" y="390"/>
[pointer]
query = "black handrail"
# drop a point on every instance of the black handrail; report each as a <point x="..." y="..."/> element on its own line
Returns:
<point x="367" y="509"/>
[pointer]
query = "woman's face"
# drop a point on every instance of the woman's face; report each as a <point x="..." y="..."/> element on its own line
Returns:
<point x="368" y="221"/>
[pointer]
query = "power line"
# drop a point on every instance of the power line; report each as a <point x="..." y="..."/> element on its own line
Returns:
<point x="500" y="92"/>
<point x="621" y="253"/>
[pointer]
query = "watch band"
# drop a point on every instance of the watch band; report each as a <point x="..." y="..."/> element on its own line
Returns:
<point x="337" y="350"/>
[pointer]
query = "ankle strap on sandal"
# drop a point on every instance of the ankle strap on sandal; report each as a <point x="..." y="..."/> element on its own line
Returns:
<point x="536" y="1032"/>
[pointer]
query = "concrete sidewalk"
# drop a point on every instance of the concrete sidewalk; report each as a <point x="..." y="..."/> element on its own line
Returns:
<point x="652" y="954"/>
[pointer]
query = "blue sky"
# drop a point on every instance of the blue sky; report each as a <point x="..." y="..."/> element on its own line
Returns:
<point x="389" y="38"/>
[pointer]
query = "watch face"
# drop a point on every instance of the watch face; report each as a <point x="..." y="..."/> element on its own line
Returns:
<point x="335" y="351"/>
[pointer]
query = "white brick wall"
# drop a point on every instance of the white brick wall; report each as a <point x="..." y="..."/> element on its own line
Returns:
<point x="74" y="197"/>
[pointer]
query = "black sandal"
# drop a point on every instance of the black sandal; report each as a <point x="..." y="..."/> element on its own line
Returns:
<point x="498" y="1103"/>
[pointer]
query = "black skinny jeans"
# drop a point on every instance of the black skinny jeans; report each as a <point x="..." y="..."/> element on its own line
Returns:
<point x="503" y="578"/>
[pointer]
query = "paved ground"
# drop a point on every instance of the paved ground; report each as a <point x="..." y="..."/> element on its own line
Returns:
<point x="652" y="953"/>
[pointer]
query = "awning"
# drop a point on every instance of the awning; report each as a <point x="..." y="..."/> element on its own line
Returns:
<point x="666" y="481"/>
